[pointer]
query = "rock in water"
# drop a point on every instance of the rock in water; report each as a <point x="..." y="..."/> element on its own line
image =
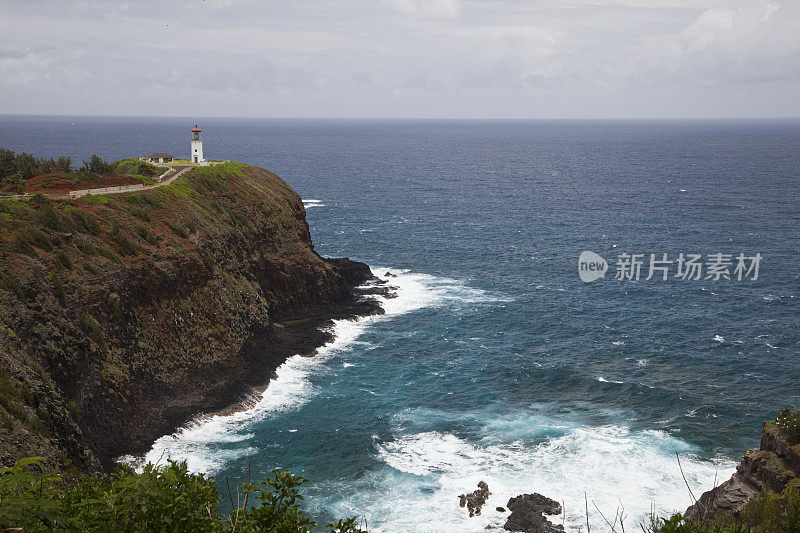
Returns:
<point x="475" y="500"/>
<point x="535" y="502"/>
<point x="527" y="514"/>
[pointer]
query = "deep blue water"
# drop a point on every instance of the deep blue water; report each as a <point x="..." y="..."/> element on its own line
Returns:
<point x="496" y="362"/>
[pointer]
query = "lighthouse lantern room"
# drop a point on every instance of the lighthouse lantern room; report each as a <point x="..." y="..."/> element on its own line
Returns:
<point x="196" y="145"/>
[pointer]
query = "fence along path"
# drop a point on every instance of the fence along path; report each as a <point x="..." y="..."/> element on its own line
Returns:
<point x="178" y="170"/>
<point x="130" y="188"/>
<point x="108" y="190"/>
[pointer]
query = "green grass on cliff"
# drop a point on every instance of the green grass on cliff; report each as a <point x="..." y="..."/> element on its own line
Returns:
<point x="133" y="166"/>
<point x="13" y="396"/>
<point x="188" y="202"/>
<point x="163" y="498"/>
<point x="789" y="423"/>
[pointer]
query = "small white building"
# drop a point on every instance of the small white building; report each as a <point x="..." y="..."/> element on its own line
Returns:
<point x="158" y="158"/>
<point x="196" y="146"/>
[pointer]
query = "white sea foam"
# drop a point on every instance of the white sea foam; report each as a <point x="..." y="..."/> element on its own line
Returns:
<point x="612" y="464"/>
<point x="202" y="443"/>
<point x="719" y="338"/>
<point x="424" y="290"/>
<point x="423" y="472"/>
<point x="312" y="203"/>
<point x="601" y="379"/>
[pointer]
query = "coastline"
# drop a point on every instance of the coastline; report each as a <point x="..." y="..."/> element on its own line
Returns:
<point x="187" y="305"/>
<point x="393" y="291"/>
<point x="291" y="336"/>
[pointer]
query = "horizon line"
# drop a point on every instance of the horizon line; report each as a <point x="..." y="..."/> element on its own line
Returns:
<point x="388" y="118"/>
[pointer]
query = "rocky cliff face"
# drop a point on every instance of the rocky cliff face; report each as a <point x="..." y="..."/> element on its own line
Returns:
<point x="123" y="316"/>
<point x="771" y="467"/>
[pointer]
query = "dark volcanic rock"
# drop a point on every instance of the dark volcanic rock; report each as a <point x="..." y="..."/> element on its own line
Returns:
<point x="475" y="500"/>
<point x="527" y="514"/>
<point x="770" y="468"/>
<point x="535" y="502"/>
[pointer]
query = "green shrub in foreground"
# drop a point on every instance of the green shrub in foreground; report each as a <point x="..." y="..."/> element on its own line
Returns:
<point x="160" y="498"/>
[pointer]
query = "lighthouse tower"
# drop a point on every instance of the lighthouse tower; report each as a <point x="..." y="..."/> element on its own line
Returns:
<point x="196" y="145"/>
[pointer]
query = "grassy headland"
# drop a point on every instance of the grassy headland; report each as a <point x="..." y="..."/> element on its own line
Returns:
<point x="121" y="316"/>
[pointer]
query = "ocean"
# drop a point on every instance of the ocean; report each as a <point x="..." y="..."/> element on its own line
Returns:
<point x="496" y="362"/>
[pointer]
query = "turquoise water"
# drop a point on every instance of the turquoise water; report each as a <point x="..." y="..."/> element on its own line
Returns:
<point x="496" y="362"/>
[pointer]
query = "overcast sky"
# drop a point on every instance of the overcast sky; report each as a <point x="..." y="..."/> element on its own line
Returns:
<point x="402" y="58"/>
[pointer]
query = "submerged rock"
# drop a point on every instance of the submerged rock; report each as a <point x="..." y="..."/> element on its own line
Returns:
<point x="527" y="514"/>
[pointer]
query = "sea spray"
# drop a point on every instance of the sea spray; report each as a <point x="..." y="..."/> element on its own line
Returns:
<point x="615" y="466"/>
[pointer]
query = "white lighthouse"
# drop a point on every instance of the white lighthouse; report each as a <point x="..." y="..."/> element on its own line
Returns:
<point x="196" y="145"/>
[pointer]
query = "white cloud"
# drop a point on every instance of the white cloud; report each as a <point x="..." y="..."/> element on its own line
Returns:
<point x="708" y="25"/>
<point x="750" y="44"/>
<point x="429" y="8"/>
<point x="401" y="57"/>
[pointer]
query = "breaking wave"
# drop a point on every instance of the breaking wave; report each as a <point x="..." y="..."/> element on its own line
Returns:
<point x="209" y="442"/>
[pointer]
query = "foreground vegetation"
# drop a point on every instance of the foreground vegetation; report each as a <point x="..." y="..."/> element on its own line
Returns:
<point x="160" y="498"/>
<point x="170" y="498"/>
